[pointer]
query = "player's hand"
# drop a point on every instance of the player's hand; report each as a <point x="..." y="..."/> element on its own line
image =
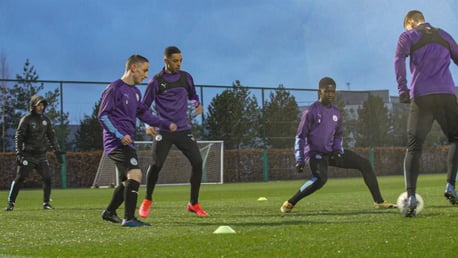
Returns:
<point x="198" y="109"/>
<point x="59" y="158"/>
<point x="300" y="167"/>
<point x="173" y="127"/>
<point x="151" y="131"/>
<point x="336" y="155"/>
<point x="336" y="158"/>
<point x="404" y="98"/>
<point x="126" y="140"/>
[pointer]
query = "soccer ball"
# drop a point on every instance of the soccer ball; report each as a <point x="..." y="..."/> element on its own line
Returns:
<point x="402" y="201"/>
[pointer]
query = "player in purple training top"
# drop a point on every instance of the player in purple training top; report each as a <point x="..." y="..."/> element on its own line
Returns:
<point x="119" y="109"/>
<point x="319" y="143"/>
<point x="170" y="91"/>
<point x="431" y="97"/>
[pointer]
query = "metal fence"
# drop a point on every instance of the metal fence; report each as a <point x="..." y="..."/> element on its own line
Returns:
<point x="78" y="98"/>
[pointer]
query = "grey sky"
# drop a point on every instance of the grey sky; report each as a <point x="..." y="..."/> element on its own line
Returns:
<point x="259" y="42"/>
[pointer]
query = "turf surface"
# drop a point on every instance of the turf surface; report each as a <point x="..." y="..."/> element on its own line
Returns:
<point x="336" y="221"/>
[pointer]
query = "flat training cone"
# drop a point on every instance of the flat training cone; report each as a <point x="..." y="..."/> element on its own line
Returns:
<point x="262" y="199"/>
<point x="224" y="230"/>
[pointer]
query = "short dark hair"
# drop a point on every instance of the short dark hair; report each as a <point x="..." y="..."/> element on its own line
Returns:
<point x="135" y="59"/>
<point x="169" y="51"/>
<point x="414" y="15"/>
<point x="325" y="82"/>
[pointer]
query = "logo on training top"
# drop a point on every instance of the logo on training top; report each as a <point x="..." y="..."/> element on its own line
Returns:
<point x="127" y="98"/>
<point x="133" y="161"/>
<point x="163" y="85"/>
<point x="334" y="118"/>
<point x="44" y="122"/>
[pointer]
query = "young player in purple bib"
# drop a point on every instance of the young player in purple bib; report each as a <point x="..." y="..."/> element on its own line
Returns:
<point x="170" y="92"/>
<point x="319" y="143"/>
<point x="119" y="109"/>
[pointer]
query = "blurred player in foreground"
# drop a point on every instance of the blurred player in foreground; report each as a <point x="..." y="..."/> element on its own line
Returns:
<point x="319" y="143"/>
<point x="431" y="97"/>
<point x="119" y="108"/>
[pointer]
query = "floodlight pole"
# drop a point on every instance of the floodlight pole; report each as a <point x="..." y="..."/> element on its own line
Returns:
<point x="202" y="115"/>
<point x="371" y="145"/>
<point x="63" y="166"/>
<point x="264" y="152"/>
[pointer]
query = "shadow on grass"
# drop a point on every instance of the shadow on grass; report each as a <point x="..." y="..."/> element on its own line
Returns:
<point x="294" y="218"/>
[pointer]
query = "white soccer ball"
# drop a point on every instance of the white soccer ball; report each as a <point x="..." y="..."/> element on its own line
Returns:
<point x="402" y="200"/>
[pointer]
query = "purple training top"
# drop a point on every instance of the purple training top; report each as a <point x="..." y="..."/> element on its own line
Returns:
<point x="172" y="104"/>
<point x="119" y="108"/>
<point x="429" y="64"/>
<point x="319" y="132"/>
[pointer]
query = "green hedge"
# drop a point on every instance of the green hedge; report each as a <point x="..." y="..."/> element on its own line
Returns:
<point x="81" y="169"/>
<point x="239" y="166"/>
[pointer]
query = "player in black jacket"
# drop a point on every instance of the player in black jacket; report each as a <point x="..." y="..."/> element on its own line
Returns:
<point x="33" y="137"/>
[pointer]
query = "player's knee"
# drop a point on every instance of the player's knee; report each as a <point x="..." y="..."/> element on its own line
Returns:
<point x="47" y="180"/>
<point x="320" y="181"/>
<point x="135" y="174"/>
<point x="415" y="144"/>
<point x="365" y="166"/>
<point x="197" y="163"/>
<point x="19" y="179"/>
<point x="154" y="167"/>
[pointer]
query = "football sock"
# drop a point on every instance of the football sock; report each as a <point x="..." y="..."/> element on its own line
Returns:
<point x="46" y="189"/>
<point x="452" y="163"/>
<point x="130" y="197"/>
<point x="116" y="199"/>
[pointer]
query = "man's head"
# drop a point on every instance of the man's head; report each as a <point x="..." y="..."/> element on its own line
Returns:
<point x="137" y="66"/>
<point x="172" y="59"/>
<point x="413" y="19"/>
<point x="38" y="104"/>
<point x="326" y="91"/>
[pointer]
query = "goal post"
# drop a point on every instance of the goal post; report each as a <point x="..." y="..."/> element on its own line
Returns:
<point x="176" y="169"/>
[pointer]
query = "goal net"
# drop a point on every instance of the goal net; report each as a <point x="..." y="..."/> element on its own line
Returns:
<point x="176" y="168"/>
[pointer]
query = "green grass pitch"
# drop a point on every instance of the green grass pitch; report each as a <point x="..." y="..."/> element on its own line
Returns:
<point x="336" y="221"/>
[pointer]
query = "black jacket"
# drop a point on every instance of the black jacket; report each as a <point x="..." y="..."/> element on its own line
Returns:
<point x="35" y="132"/>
